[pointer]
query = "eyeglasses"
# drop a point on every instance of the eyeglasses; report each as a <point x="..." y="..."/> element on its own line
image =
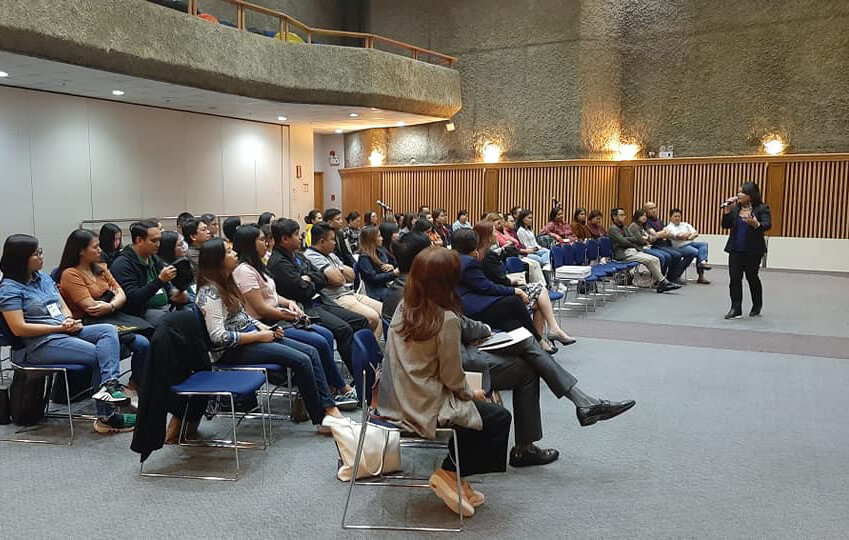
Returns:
<point x="38" y="253"/>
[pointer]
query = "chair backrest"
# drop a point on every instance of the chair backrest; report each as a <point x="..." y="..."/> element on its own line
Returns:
<point x="356" y="277"/>
<point x="579" y="253"/>
<point x="592" y="251"/>
<point x="56" y="276"/>
<point x="199" y="314"/>
<point x="561" y="256"/>
<point x="366" y="353"/>
<point x="7" y="338"/>
<point x="515" y="265"/>
<point x="605" y="245"/>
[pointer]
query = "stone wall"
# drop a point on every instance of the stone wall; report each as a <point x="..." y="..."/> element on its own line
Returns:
<point x="551" y="79"/>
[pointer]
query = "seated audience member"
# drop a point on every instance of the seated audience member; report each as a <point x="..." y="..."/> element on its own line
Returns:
<point x="269" y="242"/>
<point x="424" y="226"/>
<point x="406" y="225"/>
<point x="182" y="217"/>
<point x="263" y="303"/>
<point x="340" y="278"/>
<point x="579" y="225"/>
<point x="313" y="216"/>
<point x="499" y="306"/>
<point x="626" y="247"/>
<point x="370" y="218"/>
<point x="424" y="209"/>
<point x="441" y="226"/>
<point x="144" y="277"/>
<point x="557" y="227"/>
<point x="423" y="385"/>
<point x="682" y="234"/>
<point x="515" y="211"/>
<point x="110" y="243"/>
<point x="237" y="338"/>
<point x="351" y="232"/>
<point x="93" y="295"/>
<point x="679" y="261"/>
<point x="594" y="225"/>
<point x="510" y="247"/>
<point x="266" y="218"/>
<point x="638" y="228"/>
<point x="528" y="239"/>
<point x="34" y="311"/>
<point x="333" y="218"/>
<point x="376" y="265"/>
<point x="462" y="221"/>
<point x="229" y="228"/>
<point x="196" y="232"/>
<point x="172" y="246"/>
<point x="211" y="221"/>
<point x="389" y="234"/>
<point x="296" y="278"/>
<point x="518" y="368"/>
<point x="493" y="269"/>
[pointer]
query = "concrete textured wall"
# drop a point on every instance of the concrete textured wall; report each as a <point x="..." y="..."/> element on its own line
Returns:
<point x="553" y="79"/>
<point x="142" y="39"/>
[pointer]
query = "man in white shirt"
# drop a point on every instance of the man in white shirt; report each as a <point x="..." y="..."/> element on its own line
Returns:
<point x="682" y="235"/>
<point x="340" y="278"/>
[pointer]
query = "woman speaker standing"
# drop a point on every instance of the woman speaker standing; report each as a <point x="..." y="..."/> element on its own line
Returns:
<point x="748" y="218"/>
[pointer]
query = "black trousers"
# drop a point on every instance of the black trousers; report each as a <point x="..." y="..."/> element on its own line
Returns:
<point x="745" y="263"/>
<point x="519" y="368"/>
<point x="508" y="313"/>
<point x="342" y="323"/>
<point x="483" y="451"/>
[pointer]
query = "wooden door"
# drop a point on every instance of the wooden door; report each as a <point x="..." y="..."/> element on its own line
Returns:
<point x="318" y="191"/>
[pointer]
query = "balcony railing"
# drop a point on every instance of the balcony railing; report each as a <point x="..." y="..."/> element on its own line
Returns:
<point x="287" y="25"/>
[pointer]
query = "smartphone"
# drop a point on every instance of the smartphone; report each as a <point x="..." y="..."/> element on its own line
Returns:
<point x="274" y="327"/>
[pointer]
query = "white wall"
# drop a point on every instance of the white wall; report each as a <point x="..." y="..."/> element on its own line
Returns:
<point x="301" y="155"/>
<point x="817" y="254"/>
<point x="65" y="159"/>
<point x="324" y="144"/>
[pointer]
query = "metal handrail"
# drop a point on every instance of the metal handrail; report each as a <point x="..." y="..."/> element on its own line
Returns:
<point x="284" y="21"/>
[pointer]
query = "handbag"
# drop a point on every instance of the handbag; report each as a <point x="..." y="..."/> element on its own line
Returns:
<point x="28" y="397"/>
<point x="381" y="448"/>
<point x="124" y="323"/>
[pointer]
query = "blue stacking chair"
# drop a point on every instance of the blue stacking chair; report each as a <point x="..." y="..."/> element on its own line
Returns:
<point x="366" y="356"/>
<point x="514" y="265"/>
<point x="606" y="251"/>
<point x="579" y="254"/>
<point x="17" y="359"/>
<point x="217" y="384"/>
<point x="356" y="277"/>
<point x="600" y="271"/>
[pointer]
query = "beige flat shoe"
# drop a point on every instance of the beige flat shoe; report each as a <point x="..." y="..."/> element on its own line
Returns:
<point x="444" y="484"/>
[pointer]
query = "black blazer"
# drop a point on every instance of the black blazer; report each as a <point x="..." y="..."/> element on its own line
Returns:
<point x="493" y="268"/>
<point x="755" y="243"/>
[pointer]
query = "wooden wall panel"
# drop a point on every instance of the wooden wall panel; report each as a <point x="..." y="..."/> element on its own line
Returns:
<point x="360" y="190"/>
<point x="696" y="188"/>
<point x="590" y="186"/>
<point x="452" y="189"/>
<point x="816" y="199"/>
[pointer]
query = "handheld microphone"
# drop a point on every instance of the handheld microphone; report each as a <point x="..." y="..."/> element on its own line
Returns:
<point x="727" y="203"/>
<point x="384" y="205"/>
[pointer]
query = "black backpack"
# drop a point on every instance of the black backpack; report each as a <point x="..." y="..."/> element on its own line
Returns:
<point x="28" y="396"/>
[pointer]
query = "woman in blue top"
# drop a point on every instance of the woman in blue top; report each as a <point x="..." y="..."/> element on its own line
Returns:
<point x="748" y="218"/>
<point x="35" y="312"/>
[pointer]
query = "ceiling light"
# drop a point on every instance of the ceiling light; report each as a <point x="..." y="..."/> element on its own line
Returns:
<point x="449" y="126"/>
<point x="400" y="123"/>
<point x="3" y="74"/>
<point x="353" y="115"/>
<point x="117" y="92"/>
<point x="627" y="151"/>
<point x="338" y="131"/>
<point x="282" y="118"/>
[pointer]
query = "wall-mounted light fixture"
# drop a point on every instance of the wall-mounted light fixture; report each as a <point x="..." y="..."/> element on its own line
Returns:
<point x="450" y="126"/>
<point x="490" y="152"/>
<point x="3" y="74"/>
<point x="117" y="92"/>
<point x="282" y="118"/>
<point x="376" y="158"/>
<point x="774" y="145"/>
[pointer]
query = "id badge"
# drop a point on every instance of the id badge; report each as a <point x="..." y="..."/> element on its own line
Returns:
<point x="53" y="309"/>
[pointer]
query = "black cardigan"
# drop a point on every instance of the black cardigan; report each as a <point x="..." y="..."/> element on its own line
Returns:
<point x="493" y="269"/>
<point x="755" y="243"/>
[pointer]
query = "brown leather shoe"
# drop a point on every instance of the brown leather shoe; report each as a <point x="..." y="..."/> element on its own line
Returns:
<point x="703" y="280"/>
<point x="172" y="433"/>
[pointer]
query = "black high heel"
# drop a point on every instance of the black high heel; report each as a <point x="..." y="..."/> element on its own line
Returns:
<point x="562" y="341"/>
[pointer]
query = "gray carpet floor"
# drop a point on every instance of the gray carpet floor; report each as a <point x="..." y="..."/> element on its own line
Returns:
<point x="725" y="442"/>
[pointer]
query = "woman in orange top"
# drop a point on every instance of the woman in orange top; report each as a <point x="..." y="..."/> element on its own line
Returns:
<point x="92" y="293"/>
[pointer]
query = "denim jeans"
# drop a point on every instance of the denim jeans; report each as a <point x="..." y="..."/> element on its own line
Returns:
<point x="693" y="250"/>
<point x="139" y="347"/>
<point x="662" y="256"/>
<point x="322" y="339"/>
<point x="542" y="256"/>
<point x="304" y="361"/>
<point x="95" y="346"/>
<point x="701" y="248"/>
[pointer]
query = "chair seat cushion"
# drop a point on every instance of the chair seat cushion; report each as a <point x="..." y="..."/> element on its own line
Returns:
<point x="554" y="295"/>
<point x="271" y="368"/>
<point x="47" y="367"/>
<point x="241" y="383"/>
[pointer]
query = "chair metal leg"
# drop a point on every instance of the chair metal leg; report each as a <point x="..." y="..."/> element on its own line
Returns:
<point x="53" y="373"/>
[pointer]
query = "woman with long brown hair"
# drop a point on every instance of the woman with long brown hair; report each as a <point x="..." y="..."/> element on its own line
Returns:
<point x="375" y="265"/>
<point x="238" y="338"/>
<point x="423" y="385"/>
